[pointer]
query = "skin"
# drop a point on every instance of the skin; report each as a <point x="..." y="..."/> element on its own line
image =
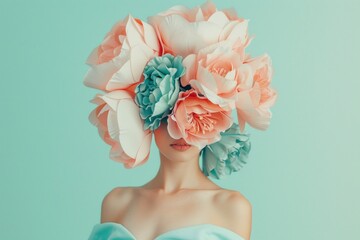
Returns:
<point x="180" y="195"/>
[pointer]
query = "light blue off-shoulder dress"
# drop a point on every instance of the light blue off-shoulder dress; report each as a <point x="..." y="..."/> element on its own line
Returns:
<point x="117" y="231"/>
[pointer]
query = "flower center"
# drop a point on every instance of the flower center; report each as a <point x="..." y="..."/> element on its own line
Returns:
<point x="221" y="68"/>
<point x="201" y="123"/>
<point x="220" y="71"/>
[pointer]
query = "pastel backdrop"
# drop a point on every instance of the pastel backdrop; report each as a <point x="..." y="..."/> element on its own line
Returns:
<point x="302" y="176"/>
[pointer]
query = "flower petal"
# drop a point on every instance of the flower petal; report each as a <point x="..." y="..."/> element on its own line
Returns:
<point x="97" y="76"/>
<point x="258" y="118"/>
<point x="131" y="71"/>
<point x="131" y="133"/>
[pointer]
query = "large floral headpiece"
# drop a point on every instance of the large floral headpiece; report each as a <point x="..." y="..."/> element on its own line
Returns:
<point x="190" y="67"/>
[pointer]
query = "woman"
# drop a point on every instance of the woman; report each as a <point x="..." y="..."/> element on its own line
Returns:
<point x="179" y="77"/>
<point x="178" y="201"/>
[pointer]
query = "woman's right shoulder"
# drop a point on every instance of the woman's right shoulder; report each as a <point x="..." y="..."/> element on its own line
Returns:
<point x="119" y="194"/>
<point x="115" y="202"/>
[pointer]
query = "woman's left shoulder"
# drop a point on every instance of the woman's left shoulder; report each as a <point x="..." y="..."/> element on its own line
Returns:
<point x="237" y="210"/>
<point x="233" y="198"/>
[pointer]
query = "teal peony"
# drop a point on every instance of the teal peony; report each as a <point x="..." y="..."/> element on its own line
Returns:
<point x="157" y="94"/>
<point x="227" y="155"/>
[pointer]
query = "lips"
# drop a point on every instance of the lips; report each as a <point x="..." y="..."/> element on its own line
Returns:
<point x="180" y="145"/>
<point x="180" y="142"/>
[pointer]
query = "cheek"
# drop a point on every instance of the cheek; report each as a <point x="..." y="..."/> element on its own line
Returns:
<point x="159" y="138"/>
<point x="162" y="137"/>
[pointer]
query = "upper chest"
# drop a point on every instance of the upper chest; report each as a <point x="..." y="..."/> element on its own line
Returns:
<point x="151" y="215"/>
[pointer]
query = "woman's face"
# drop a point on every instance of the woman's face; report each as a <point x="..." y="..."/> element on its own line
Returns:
<point x="174" y="153"/>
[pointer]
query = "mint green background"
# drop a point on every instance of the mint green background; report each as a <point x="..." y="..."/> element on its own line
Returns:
<point x="302" y="177"/>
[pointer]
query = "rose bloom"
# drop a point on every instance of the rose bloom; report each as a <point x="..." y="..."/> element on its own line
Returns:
<point x="118" y="62"/>
<point x="130" y="144"/>
<point x="218" y="73"/>
<point x="197" y="120"/>
<point x="254" y="102"/>
<point x="183" y="31"/>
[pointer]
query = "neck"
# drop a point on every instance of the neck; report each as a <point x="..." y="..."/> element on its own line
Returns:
<point x="174" y="176"/>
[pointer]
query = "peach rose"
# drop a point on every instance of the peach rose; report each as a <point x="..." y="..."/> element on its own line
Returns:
<point x="253" y="105"/>
<point x="183" y="31"/>
<point x="118" y="62"/>
<point x="218" y="73"/>
<point x="207" y="9"/>
<point x="197" y="120"/>
<point x="130" y="144"/>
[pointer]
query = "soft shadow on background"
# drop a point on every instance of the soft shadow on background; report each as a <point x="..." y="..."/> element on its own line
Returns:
<point x="302" y="176"/>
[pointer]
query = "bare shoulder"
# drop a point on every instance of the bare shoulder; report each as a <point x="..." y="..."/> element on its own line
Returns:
<point x="114" y="203"/>
<point x="237" y="210"/>
<point x="238" y="202"/>
<point x="232" y="197"/>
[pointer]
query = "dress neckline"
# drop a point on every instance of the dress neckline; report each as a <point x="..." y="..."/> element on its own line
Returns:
<point x="175" y="230"/>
